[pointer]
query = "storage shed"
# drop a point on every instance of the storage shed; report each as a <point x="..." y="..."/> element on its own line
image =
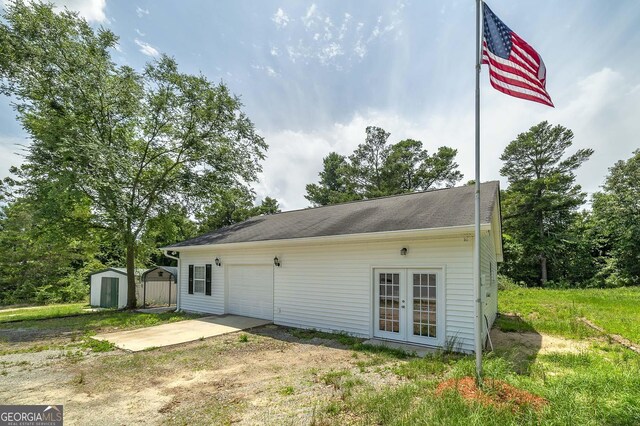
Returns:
<point x="396" y="268"/>
<point x="159" y="286"/>
<point x="109" y="288"/>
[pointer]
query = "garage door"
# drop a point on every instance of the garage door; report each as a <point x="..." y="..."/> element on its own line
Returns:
<point x="251" y="291"/>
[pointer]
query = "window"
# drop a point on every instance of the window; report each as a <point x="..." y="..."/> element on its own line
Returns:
<point x="198" y="279"/>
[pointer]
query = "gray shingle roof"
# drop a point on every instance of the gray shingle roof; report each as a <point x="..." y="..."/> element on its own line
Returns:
<point x="422" y="210"/>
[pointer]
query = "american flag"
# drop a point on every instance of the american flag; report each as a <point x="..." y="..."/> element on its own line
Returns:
<point x="515" y="68"/>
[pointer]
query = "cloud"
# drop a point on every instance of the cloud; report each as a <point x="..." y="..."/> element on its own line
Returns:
<point x="280" y="18"/>
<point x="12" y="151"/>
<point x="147" y="49"/>
<point x="308" y="18"/>
<point x="141" y="12"/>
<point x="601" y="109"/>
<point x="274" y="51"/>
<point x="336" y="41"/>
<point x="91" y="10"/>
<point x="267" y="69"/>
<point x="140" y="33"/>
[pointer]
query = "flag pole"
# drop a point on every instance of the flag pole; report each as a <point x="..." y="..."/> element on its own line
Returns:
<point x="476" y="239"/>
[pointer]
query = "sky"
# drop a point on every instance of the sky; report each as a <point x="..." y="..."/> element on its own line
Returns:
<point x="313" y="75"/>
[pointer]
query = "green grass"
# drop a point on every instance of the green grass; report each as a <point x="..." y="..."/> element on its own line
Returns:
<point x="598" y="385"/>
<point x="102" y="320"/>
<point x="557" y="311"/>
<point x="43" y="312"/>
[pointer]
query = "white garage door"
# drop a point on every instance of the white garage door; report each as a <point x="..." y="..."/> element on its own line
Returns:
<point x="251" y="291"/>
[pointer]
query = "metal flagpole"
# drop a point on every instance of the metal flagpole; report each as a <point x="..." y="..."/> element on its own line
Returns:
<point x="476" y="240"/>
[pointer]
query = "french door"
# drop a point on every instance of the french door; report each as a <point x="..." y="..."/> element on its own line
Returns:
<point x="409" y="305"/>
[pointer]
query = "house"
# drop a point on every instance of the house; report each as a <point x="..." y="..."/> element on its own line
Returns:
<point x="397" y="268"/>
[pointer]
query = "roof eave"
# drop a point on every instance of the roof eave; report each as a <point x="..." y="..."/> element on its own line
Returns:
<point x="328" y="239"/>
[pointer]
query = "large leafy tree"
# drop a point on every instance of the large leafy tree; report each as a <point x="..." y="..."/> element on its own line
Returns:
<point x="128" y="142"/>
<point x="541" y="202"/>
<point x="616" y="213"/>
<point x="377" y="169"/>
<point x="44" y="260"/>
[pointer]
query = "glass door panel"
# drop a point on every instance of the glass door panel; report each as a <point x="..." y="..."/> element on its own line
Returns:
<point x="389" y="297"/>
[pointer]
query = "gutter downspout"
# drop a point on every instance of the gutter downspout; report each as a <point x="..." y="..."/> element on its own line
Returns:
<point x="178" y="292"/>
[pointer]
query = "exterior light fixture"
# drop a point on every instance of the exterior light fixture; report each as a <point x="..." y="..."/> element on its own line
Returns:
<point x="218" y="262"/>
<point x="403" y="252"/>
<point x="276" y="261"/>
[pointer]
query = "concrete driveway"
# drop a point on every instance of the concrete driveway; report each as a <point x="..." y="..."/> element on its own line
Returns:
<point x="179" y="332"/>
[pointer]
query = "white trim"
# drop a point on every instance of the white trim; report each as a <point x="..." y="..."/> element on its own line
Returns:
<point x="203" y="279"/>
<point x="405" y="323"/>
<point x="446" y="232"/>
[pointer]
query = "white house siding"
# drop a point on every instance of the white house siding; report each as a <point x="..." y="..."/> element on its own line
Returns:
<point x="330" y="286"/>
<point x="489" y="275"/>
<point x="214" y="304"/>
<point x="96" y="284"/>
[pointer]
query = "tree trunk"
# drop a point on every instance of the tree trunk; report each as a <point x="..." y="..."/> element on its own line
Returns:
<point x="131" y="273"/>
<point x="543" y="269"/>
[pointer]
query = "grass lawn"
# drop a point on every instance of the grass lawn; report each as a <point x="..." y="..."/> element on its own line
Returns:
<point x="42" y="312"/>
<point x="39" y="331"/>
<point x="556" y="311"/>
<point x="275" y="375"/>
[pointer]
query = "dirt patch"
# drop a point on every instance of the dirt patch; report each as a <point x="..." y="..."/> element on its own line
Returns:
<point x="537" y="343"/>
<point x="272" y="378"/>
<point x="494" y="393"/>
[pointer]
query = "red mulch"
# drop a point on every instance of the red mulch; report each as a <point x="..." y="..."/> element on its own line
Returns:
<point x="495" y="392"/>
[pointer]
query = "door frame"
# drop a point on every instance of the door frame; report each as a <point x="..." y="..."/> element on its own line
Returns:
<point x="441" y="299"/>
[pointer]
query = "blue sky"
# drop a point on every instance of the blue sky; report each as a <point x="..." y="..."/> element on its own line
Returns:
<point x="313" y="75"/>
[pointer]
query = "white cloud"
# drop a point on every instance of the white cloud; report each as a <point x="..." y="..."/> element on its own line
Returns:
<point x="140" y="33"/>
<point x="141" y="12"/>
<point x="266" y="69"/>
<point x="339" y="41"/>
<point x="11" y="153"/>
<point x="280" y="18"/>
<point x="601" y="109"/>
<point x="307" y="19"/>
<point x="147" y="49"/>
<point x="91" y="10"/>
<point x="274" y="51"/>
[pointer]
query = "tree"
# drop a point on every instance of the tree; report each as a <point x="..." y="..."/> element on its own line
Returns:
<point x="128" y="142"/>
<point x="366" y="164"/>
<point x="542" y="199"/>
<point x="267" y="206"/>
<point x="45" y="261"/>
<point x="333" y="187"/>
<point x="617" y="215"/>
<point x="377" y="169"/>
<point x="409" y="168"/>
<point x="232" y="206"/>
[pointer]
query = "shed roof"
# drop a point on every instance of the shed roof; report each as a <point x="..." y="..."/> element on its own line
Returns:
<point x="441" y="208"/>
<point x="170" y="269"/>
<point x="122" y="271"/>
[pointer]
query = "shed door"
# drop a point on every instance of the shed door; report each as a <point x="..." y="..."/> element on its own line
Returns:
<point x="251" y="291"/>
<point x="109" y="292"/>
